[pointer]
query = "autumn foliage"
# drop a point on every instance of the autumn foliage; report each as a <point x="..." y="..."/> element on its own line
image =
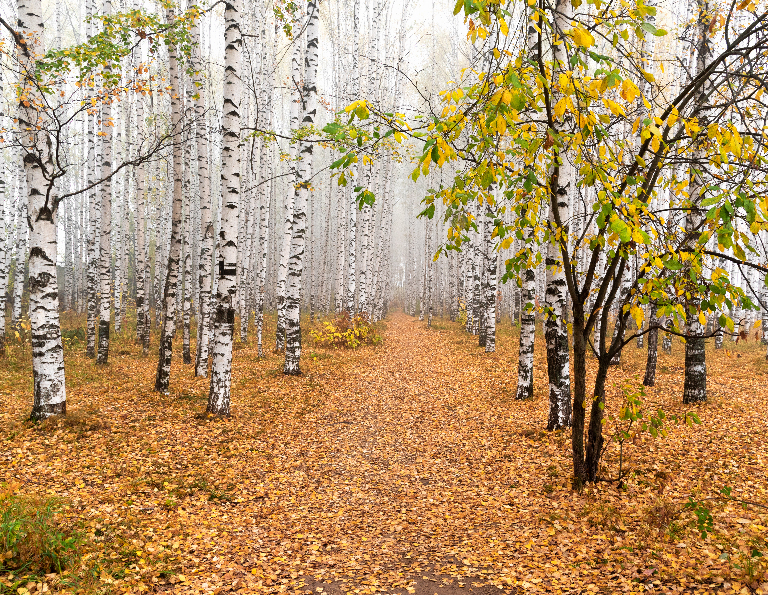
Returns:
<point x="347" y="332"/>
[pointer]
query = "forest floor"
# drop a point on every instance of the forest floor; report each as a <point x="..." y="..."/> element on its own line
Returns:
<point x="402" y="468"/>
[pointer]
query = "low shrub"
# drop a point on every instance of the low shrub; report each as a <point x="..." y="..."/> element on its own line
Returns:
<point x="32" y="539"/>
<point x="346" y="332"/>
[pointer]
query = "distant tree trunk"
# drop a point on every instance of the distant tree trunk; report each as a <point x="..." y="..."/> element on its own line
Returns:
<point x="206" y="223"/>
<point x="168" y="327"/>
<point x="226" y="288"/>
<point x="428" y="282"/>
<point x="492" y="265"/>
<point x="482" y="306"/>
<point x="119" y="207"/>
<point x="105" y="246"/>
<point x="49" y="390"/>
<point x="296" y="263"/>
<point x="718" y="334"/>
<point x="187" y="231"/>
<point x="282" y="276"/>
<point x="527" y="333"/>
<point x="142" y="276"/>
<point x="265" y="195"/>
<point x="340" y="244"/>
<point x="5" y="244"/>
<point x="20" y="271"/>
<point x="764" y="313"/>
<point x="653" y="345"/>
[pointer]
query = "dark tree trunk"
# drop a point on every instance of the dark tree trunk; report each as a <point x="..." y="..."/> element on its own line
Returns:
<point x="595" y="433"/>
<point x="579" y="397"/>
<point x="653" y="349"/>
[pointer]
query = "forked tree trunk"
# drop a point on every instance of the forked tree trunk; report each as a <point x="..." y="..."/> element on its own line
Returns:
<point x="50" y="397"/>
<point x="226" y="286"/>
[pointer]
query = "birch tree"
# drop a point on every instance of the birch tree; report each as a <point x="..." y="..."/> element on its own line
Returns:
<point x="303" y="182"/>
<point x="226" y="286"/>
<point x="49" y="392"/>
<point x="205" y="261"/>
<point x="168" y="327"/>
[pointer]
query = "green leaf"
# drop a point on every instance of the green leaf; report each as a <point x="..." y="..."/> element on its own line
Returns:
<point x="673" y="265"/>
<point x="711" y="200"/>
<point x="622" y="230"/>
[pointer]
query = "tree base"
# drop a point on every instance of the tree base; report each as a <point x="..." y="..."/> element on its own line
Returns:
<point x="42" y="412"/>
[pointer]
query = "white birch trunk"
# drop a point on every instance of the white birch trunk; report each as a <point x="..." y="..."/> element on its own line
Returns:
<point x="492" y="265"/>
<point x="105" y="246"/>
<point x="49" y="390"/>
<point x="226" y="286"/>
<point x="5" y="243"/>
<point x="695" y="379"/>
<point x="206" y="223"/>
<point x="168" y="325"/>
<point x="142" y="303"/>
<point x="285" y="253"/>
<point x="299" y="224"/>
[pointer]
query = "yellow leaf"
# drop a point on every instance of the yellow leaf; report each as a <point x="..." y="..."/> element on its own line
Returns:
<point x="582" y="37"/>
<point x="638" y="314"/>
<point x="615" y="108"/>
<point x="559" y="108"/>
<point x="702" y="319"/>
<point x="503" y="27"/>
<point x="629" y="90"/>
<point x="501" y="124"/>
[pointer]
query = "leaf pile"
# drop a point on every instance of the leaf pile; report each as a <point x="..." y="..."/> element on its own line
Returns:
<point x="390" y="469"/>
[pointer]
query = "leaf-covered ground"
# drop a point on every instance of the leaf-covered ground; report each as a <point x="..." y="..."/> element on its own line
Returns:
<point x="408" y="467"/>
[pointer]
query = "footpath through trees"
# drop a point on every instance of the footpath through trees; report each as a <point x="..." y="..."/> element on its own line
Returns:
<point x="407" y="467"/>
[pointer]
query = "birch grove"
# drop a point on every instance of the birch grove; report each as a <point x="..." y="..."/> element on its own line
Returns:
<point x="208" y="175"/>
